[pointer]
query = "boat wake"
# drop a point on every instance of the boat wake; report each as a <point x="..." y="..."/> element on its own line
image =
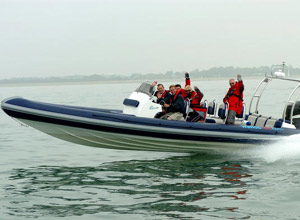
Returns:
<point x="287" y="149"/>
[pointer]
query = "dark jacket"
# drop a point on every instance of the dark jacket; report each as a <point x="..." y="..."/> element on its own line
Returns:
<point x="176" y="103"/>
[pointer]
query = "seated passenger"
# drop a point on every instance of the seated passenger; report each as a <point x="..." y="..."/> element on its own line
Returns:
<point x="178" y="86"/>
<point x="195" y="97"/>
<point x="161" y="93"/>
<point x="174" y="106"/>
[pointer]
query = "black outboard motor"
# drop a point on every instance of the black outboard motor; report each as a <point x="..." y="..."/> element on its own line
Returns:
<point x="296" y="121"/>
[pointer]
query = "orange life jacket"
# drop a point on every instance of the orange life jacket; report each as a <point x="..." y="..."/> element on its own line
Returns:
<point x="234" y="97"/>
<point x="175" y="96"/>
<point x="164" y="94"/>
<point x="184" y="93"/>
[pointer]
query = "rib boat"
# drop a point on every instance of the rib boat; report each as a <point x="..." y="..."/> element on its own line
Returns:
<point x="135" y="128"/>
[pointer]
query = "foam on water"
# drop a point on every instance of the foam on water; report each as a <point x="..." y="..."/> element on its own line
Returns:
<point x="287" y="149"/>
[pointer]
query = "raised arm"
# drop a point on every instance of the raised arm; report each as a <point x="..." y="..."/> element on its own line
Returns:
<point x="239" y="83"/>
<point x="199" y="93"/>
<point x="187" y="79"/>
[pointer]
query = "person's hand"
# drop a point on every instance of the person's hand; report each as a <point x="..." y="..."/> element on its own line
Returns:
<point x="166" y="105"/>
<point x="154" y="83"/>
<point x="196" y="89"/>
<point x="187" y="75"/>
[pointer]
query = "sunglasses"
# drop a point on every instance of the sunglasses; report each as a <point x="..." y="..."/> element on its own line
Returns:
<point x="231" y="83"/>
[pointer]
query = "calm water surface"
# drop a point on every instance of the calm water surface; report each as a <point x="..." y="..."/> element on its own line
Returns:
<point x="46" y="178"/>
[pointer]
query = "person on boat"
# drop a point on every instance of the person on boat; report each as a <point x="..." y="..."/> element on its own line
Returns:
<point x="194" y="97"/>
<point x="178" y="87"/>
<point x="161" y="93"/>
<point x="187" y="83"/>
<point x="173" y="108"/>
<point x="234" y="97"/>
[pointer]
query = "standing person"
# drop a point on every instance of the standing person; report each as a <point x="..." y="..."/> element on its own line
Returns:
<point x="234" y="97"/>
<point x="174" y="106"/>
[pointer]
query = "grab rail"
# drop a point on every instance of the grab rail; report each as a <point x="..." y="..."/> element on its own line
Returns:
<point x="266" y="80"/>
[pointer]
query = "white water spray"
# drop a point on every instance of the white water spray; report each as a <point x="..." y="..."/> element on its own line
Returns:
<point x="287" y="149"/>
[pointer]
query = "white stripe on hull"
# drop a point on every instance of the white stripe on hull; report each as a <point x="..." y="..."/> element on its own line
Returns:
<point x="127" y="142"/>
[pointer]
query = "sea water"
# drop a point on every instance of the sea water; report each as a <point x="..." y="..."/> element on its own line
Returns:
<point x="47" y="178"/>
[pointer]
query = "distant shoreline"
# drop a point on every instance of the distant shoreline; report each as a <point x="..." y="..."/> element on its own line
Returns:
<point x="114" y="82"/>
<point x="214" y="73"/>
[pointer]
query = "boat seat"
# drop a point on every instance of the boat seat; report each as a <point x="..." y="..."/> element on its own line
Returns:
<point x="270" y="122"/>
<point x="204" y="104"/>
<point x="211" y="108"/>
<point x="274" y="123"/>
<point x="221" y="117"/>
<point x="239" y="119"/>
<point x="210" y="120"/>
<point x="278" y="123"/>
<point x="223" y="111"/>
<point x="186" y="108"/>
<point x="253" y="118"/>
<point x="243" y="113"/>
<point x="261" y="121"/>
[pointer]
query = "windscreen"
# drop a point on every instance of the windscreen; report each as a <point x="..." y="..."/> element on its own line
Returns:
<point x="146" y="88"/>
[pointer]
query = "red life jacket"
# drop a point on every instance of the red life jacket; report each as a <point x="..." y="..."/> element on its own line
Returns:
<point x="175" y="96"/>
<point x="187" y="82"/>
<point x="164" y="94"/>
<point x="184" y="93"/>
<point x="234" y="97"/>
<point x="195" y="100"/>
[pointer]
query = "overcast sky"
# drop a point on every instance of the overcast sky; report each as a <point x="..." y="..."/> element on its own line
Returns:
<point x="69" y="37"/>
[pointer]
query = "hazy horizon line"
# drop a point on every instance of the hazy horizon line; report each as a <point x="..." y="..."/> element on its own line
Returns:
<point x="214" y="72"/>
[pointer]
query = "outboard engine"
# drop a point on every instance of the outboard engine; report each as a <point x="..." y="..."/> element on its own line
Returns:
<point x="141" y="102"/>
<point x="296" y="120"/>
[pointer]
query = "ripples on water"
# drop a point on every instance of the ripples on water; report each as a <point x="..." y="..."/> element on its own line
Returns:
<point x="182" y="187"/>
<point x="251" y="184"/>
<point x="45" y="178"/>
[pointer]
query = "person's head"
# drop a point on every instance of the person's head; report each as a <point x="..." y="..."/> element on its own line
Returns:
<point x="188" y="89"/>
<point x="232" y="83"/>
<point x="172" y="89"/>
<point x="178" y="86"/>
<point x="160" y="88"/>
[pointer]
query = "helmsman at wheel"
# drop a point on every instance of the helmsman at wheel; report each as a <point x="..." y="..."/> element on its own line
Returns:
<point x="234" y="97"/>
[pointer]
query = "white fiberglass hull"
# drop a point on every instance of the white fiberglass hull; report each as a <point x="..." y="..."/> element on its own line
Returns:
<point x="120" y="141"/>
